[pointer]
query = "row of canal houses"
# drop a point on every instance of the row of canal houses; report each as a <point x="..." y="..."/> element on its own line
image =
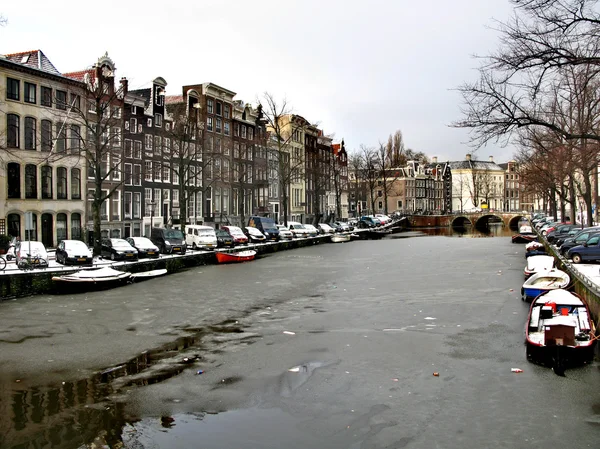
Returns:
<point x="154" y="148"/>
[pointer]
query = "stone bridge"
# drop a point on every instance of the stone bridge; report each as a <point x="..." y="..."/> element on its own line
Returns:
<point x="477" y="219"/>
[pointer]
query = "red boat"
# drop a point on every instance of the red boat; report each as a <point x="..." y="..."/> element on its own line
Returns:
<point x="242" y="256"/>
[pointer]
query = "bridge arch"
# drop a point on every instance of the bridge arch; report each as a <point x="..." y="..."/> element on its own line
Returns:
<point x="461" y="221"/>
<point x="513" y="223"/>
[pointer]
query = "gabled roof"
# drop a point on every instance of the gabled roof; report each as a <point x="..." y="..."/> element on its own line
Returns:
<point x="81" y="75"/>
<point x="36" y="59"/>
<point x="146" y="93"/>
<point x="173" y="99"/>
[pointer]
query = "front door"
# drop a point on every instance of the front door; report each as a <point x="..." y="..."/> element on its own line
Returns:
<point x="47" y="234"/>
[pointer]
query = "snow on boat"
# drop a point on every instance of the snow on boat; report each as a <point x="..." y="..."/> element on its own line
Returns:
<point x="525" y="235"/>
<point x="559" y="330"/>
<point x="104" y="274"/>
<point x="339" y="238"/>
<point x="533" y="246"/>
<point x="242" y="256"/>
<point x="543" y="281"/>
<point x="538" y="263"/>
<point x="148" y="274"/>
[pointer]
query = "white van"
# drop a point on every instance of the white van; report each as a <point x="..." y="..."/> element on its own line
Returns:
<point x="298" y="229"/>
<point x="197" y="236"/>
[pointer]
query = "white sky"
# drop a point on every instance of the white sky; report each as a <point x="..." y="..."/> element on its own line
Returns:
<point x="360" y="70"/>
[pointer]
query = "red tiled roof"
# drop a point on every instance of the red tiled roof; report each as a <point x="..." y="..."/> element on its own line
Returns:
<point x="80" y="75"/>
<point x="172" y="99"/>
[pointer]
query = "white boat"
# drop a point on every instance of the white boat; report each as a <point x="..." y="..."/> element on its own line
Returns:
<point x="148" y="274"/>
<point x="533" y="246"/>
<point x="538" y="263"/>
<point x="560" y="330"/>
<point x="339" y="238"/>
<point x="94" y="276"/>
<point x="543" y="281"/>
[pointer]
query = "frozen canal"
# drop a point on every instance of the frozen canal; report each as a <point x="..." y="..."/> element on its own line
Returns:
<point x="332" y="346"/>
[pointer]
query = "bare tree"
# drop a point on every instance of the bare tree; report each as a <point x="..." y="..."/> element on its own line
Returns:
<point x="369" y="172"/>
<point x="3" y="20"/>
<point x="356" y="169"/>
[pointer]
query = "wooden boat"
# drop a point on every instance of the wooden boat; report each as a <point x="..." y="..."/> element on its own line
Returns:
<point x="538" y="263"/>
<point x="543" y="281"/>
<point x="142" y="276"/>
<point x="559" y="330"/>
<point x="242" y="256"/>
<point x="525" y="235"/>
<point x="94" y="276"/>
<point x="339" y="238"/>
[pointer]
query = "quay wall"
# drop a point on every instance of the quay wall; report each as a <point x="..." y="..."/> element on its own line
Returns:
<point x="27" y="283"/>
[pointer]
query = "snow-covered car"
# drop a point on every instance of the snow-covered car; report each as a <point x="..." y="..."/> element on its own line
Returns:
<point x="298" y="229"/>
<point x="73" y="252"/>
<point x="254" y="235"/>
<point x="285" y="233"/>
<point x="326" y="229"/>
<point x="312" y="231"/>
<point x="383" y="218"/>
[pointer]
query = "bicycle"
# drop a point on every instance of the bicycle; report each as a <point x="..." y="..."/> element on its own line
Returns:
<point x="32" y="262"/>
<point x="2" y="263"/>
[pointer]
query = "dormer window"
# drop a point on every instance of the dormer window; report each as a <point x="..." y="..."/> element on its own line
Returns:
<point x="159" y="97"/>
<point x="133" y="110"/>
<point x="157" y="120"/>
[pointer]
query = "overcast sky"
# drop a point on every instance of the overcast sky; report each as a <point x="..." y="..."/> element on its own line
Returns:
<point x="360" y="70"/>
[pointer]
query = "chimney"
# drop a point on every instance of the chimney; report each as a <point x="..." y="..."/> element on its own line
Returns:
<point x="491" y="158"/>
<point x="468" y="157"/>
<point x="434" y="160"/>
<point x="124" y="85"/>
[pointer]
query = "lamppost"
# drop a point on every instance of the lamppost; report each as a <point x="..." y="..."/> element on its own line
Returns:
<point x="152" y="204"/>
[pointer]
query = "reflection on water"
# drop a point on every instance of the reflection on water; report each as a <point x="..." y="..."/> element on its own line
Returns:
<point x="489" y="230"/>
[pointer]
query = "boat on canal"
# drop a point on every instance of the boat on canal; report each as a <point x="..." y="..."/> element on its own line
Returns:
<point x="143" y="275"/>
<point x="340" y="238"/>
<point x="241" y="256"/>
<point x="106" y="276"/>
<point x="560" y="330"/>
<point x="525" y="235"/>
<point x="542" y="281"/>
<point x="538" y="263"/>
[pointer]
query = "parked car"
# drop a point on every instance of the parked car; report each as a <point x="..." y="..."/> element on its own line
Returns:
<point x="73" y="252"/>
<point x="587" y="252"/>
<point x="285" y="233"/>
<point x="383" y="218"/>
<point x="324" y="228"/>
<point x="265" y="225"/>
<point x="298" y="229"/>
<point x="144" y="246"/>
<point x="573" y="233"/>
<point x="367" y="221"/>
<point x="579" y="239"/>
<point x="118" y="249"/>
<point x="169" y="241"/>
<point x="254" y="235"/>
<point x="198" y="236"/>
<point x="31" y="252"/>
<point x="312" y="231"/>
<point x="345" y="227"/>
<point x="239" y="237"/>
<point x="561" y="230"/>
<point x="224" y="239"/>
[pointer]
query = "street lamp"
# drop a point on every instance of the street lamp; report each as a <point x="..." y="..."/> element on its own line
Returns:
<point x="152" y="204"/>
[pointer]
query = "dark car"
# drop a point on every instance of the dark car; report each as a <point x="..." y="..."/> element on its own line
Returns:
<point x="561" y="230"/>
<point x="560" y="239"/>
<point x="579" y="239"/>
<point x="587" y="252"/>
<point x="144" y="246"/>
<point x="118" y="249"/>
<point x="224" y="239"/>
<point x="73" y="252"/>
<point x="266" y="226"/>
<point x="169" y="241"/>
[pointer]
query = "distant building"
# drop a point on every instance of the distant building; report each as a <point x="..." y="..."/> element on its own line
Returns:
<point x="477" y="185"/>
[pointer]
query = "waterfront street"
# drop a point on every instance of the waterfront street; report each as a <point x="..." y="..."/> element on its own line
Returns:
<point x="329" y="346"/>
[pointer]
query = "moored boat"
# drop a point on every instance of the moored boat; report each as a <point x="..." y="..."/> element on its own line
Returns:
<point x="339" y="238"/>
<point x="94" y="276"/>
<point x="143" y="275"/>
<point x="525" y="235"/>
<point x="559" y="330"/>
<point x="543" y="281"/>
<point x="242" y="256"/>
<point x="538" y="263"/>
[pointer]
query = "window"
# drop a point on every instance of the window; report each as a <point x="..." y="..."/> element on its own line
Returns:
<point x="167" y="148"/>
<point x="218" y="125"/>
<point x="137" y="149"/>
<point x="127" y="197"/>
<point x="209" y="106"/>
<point x="166" y="177"/>
<point x="116" y="136"/>
<point x="132" y="125"/>
<point x="137" y="174"/>
<point x="61" y="99"/>
<point x="46" y="182"/>
<point x="115" y="203"/>
<point x="30" y="131"/>
<point x="75" y="184"/>
<point x="61" y="183"/>
<point x="116" y="112"/>
<point x="226" y="128"/>
<point x="157" y="141"/>
<point x="209" y="123"/>
<point x="158" y="120"/>
<point x="61" y="138"/>
<point x="236" y="129"/>
<point x="137" y="202"/>
<point x="76" y="226"/>
<point x="133" y="110"/>
<point x="30" y="181"/>
<point x="75" y="143"/>
<point x="218" y="145"/>
<point x="148" y="139"/>
<point x="128" y="174"/>
<point x="46" y="96"/>
<point x="160" y="95"/>
<point x="13" y="130"/>
<point x="236" y="150"/>
<point x="128" y="148"/>
<point x="175" y="174"/>
<point x="14" y="180"/>
<point x="149" y="123"/>
<point x="226" y="170"/>
<point x="75" y="102"/>
<point x="30" y="93"/>
<point x="157" y="172"/>
<point x="250" y="134"/>
<point x="148" y="170"/>
<point x="219" y="105"/>
<point x="226" y="111"/>
<point x="13" y="88"/>
<point x="243" y="131"/>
